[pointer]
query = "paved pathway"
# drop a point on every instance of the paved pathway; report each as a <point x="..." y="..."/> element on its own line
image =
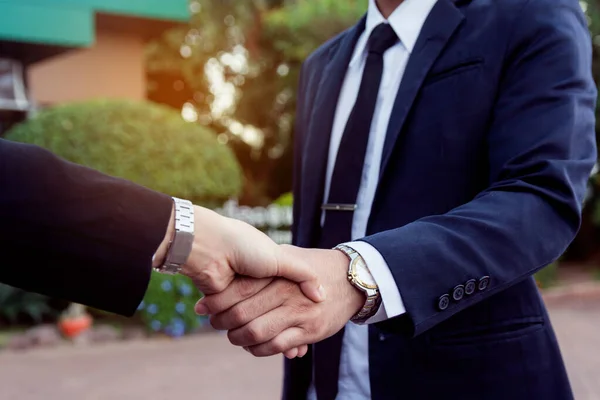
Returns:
<point x="206" y="367"/>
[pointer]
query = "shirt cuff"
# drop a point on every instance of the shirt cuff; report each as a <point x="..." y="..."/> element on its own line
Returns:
<point x="391" y="300"/>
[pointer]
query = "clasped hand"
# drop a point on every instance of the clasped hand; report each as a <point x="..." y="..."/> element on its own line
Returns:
<point x="272" y="299"/>
<point x="271" y="316"/>
<point x="224" y="248"/>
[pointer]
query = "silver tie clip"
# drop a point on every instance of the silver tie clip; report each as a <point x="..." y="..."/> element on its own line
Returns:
<point x="338" y="207"/>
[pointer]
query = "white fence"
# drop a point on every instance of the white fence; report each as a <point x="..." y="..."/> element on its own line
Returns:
<point x="274" y="220"/>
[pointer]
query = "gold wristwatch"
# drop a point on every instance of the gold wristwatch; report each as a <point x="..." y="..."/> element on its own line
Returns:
<point x="361" y="278"/>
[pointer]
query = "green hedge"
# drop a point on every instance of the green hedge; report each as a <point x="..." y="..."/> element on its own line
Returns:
<point x="153" y="146"/>
<point x="143" y="142"/>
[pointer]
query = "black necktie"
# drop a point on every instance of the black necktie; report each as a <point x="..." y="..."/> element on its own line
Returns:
<point x="345" y="182"/>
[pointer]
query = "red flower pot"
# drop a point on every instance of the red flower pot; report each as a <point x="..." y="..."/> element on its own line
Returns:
<point x="74" y="326"/>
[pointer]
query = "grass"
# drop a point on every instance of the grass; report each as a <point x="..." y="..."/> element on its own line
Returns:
<point x="6" y="335"/>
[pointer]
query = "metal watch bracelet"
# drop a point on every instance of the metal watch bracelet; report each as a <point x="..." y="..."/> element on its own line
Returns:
<point x="180" y="245"/>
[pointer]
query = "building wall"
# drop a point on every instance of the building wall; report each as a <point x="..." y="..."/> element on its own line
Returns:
<point x="112" y="68"/>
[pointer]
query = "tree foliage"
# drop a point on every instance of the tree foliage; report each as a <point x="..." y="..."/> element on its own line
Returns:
<point x="256" y="47"/>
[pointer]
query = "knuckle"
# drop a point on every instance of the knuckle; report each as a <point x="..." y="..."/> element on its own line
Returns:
<point x="253" y="334"/>
<point x="313" y="324"/>
<point x="245" y="287"/>
<point x="238" y="315"/>
<point x="216" y="322"/>
<point x="273" y="328"/>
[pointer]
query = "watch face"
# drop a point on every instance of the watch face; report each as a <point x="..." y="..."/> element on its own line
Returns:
<point x="363" y="275"/>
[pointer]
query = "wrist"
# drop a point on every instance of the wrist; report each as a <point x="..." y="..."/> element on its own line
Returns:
<point x="161" y="253"/>
<point x="360" y="277"/>
<point x="212" y="241"/>
<point x="354" y="297"/>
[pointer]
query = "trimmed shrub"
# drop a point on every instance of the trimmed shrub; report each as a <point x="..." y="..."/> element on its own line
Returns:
<point x="153" y="146"/>
<point x="143" y="142"/>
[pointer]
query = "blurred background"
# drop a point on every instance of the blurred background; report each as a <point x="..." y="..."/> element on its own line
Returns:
<point x="195" y="99"/>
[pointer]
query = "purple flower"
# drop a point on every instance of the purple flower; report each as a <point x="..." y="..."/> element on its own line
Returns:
<point x="176" y="328"/>
<point x="152" y="309"/>
<point x="180" y="307"/>
<point x="185" y="289"/>
<point x="141" y="306"/>
<point x="166" y="286"/>
<point x="155" y="325"/>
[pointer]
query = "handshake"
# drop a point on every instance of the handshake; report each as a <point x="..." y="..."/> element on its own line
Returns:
<point x="270" y="298"/>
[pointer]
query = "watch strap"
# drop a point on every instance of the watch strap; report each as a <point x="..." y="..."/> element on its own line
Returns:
<point x="180" y="246"/>
<point x="373" y="297"/>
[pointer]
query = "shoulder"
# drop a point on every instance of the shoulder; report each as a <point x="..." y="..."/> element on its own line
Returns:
<point x="522" y="15"/>
<point x="531" y="15"/>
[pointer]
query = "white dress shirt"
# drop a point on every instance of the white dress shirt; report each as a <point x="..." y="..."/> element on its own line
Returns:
<point x="407" y="21"/>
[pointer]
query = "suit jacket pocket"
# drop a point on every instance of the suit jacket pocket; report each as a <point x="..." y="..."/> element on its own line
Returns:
<point x="497" y="332"/>
<point x="446" y="72"/>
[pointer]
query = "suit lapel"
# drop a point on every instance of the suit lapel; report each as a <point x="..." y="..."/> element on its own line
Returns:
<point x="441" y="23"/>
<point x="315" y="154"/>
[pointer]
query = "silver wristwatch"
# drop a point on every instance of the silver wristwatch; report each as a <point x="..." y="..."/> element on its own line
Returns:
<point x="180" y="246"/>
<point x="361" y="278"/>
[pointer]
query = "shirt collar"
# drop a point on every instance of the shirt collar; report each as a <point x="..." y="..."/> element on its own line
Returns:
<point x="406" y="20"/>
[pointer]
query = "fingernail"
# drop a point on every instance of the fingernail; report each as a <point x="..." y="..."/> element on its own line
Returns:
<point x="201" y="309"/>
<point x="322" y="292"/>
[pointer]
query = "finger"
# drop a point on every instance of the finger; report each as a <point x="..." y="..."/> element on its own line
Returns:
<point x="302" y="350"/>
<point x="314" y="291"/>
<point x="288" y="339"/>
<point x="295" y="352"/>
<point x="240" y="289"/>
<point x="247" y="310"/>
<point x="291" y="354"/>
<point x="264" y="328"/>
<point x="291" y="266"/>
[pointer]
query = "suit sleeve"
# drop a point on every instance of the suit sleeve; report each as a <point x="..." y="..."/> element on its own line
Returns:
<point x="541" y="151"/>
<point x="70" y="232"/>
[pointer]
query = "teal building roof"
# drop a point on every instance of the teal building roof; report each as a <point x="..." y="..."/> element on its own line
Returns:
<point x="71" y="23"/>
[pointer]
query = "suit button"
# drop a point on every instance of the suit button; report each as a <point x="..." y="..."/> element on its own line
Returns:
<point x="470" y="287"/>
<point x="458" y="293"/>
<point x="381" y="337"/>
<point x="483" y="283"/>
<point x="443" y="302"/>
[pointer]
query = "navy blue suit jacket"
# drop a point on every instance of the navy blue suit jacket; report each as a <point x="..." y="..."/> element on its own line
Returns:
<point x="485" y="164"/>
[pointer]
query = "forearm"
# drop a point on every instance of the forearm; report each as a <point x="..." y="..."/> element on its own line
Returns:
<point x="494" y="235"/>
<point x="71" y="232"/>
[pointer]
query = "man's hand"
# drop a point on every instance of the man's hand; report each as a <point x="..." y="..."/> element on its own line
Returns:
<point x="270" y="317"/>
<point x="224" y="247"/>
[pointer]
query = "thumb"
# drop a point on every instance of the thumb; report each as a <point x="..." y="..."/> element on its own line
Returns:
<point x="292" y="266"/>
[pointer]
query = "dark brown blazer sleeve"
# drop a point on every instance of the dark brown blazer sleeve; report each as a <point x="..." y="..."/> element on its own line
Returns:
<point x="71" y="232"/>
